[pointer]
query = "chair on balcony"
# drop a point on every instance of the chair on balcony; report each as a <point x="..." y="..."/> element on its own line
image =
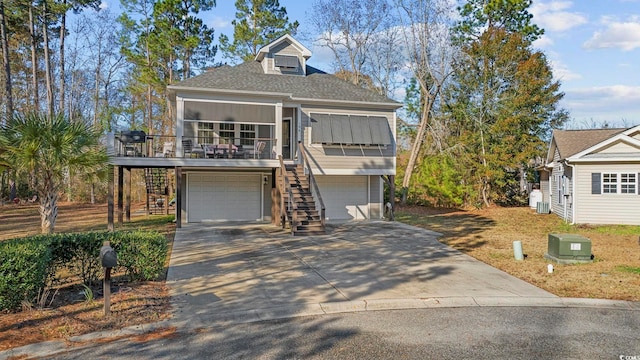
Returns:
<point x="167" y="149"/>
<point x="190" y="150"/>
<point x="257" y="150"/>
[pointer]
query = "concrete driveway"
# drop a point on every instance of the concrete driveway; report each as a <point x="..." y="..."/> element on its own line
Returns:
<point x="233" y="272"/>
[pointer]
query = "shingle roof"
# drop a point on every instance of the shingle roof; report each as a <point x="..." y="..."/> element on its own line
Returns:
<point x="571" y="142"/>
<point x="249" y="77"/>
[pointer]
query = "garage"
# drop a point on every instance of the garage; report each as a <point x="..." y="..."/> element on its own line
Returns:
<point x="228" y="196"/>
<point x="345" y="197"/>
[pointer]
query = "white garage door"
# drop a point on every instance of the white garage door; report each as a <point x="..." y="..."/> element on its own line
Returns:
<point x="345" y="197"/>
<point x="223" y="197"/>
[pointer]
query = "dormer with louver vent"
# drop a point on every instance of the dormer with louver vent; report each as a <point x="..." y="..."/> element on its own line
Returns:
<point x="284" y="56"/>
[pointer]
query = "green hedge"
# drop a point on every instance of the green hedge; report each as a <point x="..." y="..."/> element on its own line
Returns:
<point x="25" y="263"/>
<point x="24" y="267"/>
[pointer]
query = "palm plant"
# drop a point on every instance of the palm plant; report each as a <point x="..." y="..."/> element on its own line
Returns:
<point x="45" y="148"/>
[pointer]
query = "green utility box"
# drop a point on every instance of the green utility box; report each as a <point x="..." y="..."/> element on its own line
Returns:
<point x="569" y="249"/>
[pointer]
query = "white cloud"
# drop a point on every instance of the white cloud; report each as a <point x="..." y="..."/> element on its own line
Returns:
<point x="562" y="72"/>
<point x="103" y="5"/>
<point x="604" y="103"/>
<point x="544" y="42"/>
<point x="553" y="15"/>
<point x="219" y="23"/>
<point x="622" y="35"/>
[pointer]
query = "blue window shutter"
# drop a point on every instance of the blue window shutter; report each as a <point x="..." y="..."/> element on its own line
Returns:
<point x="596" y="188"/>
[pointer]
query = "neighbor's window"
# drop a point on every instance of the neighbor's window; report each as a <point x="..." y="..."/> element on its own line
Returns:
<point x="628" y="183"/>
<point x="619" y="183"/>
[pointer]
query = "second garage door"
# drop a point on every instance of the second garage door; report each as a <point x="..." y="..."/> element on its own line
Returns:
<point x="223" y="197"/>
<point x="345" y="197"/>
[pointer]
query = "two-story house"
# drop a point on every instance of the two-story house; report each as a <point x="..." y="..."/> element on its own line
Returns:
<point x="247" y="138"/>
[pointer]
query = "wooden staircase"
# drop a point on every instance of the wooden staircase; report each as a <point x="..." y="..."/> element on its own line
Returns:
<point x="301" y="211"/>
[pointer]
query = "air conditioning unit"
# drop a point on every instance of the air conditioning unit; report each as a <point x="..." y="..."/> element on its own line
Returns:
<point x="542" y="207"/>
<point x="568" y="249"/>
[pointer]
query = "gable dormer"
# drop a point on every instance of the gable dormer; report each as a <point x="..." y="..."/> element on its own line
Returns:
<point x="285" y="56"/>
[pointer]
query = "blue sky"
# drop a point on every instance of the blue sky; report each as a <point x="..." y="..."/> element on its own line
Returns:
<point x="593" y="46"/>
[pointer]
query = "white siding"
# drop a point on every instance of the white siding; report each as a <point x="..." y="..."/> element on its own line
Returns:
<point x="376" y="197"/>
<point x="561" y="196"/>
<point x="619" y="147"/>
<point x="605" y="208"/>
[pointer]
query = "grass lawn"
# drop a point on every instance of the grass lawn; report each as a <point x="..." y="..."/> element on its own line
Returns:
<point x="71" y="313"/>
<point x="488" y="235"/>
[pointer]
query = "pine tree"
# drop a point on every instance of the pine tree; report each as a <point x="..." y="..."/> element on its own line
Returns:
<point x="257" y="23"/>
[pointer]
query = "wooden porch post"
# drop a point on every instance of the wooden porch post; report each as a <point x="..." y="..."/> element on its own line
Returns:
<point x="392" y="195"/>
<point x="275" y="198"/>
<point x="120" y="193"/>
<point x="110" y="199"/>
<point x="178" y="197"/>
<point x="127" y="203"/>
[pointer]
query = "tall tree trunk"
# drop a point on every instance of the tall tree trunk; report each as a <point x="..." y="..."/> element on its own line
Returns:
<point x="63" y="30"/>
<point x="417" y="143"/>
<point x="34" y="61"/>
<point x="47" y="59"/>
<point x="5" y="61"/>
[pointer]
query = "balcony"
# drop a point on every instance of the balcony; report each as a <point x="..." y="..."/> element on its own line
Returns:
<point x="136" y="148"/>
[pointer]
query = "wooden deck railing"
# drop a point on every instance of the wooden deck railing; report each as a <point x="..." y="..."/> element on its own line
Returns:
<point x="312" y="181"/>
<point x="286" y="184"/>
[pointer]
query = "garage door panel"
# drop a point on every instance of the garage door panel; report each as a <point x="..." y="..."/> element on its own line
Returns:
<point x="345" y="197"/>
<point x="223" y="197"/>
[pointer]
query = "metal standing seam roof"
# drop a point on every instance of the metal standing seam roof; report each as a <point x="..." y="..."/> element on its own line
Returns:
<point x="571" y="142"/>
<point x="316" y="85"/>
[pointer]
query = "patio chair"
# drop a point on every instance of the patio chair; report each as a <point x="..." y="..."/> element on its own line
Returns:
<point x="257" y="150"/>
<point x="189" y="150"/>
<point x="167" y="149"/>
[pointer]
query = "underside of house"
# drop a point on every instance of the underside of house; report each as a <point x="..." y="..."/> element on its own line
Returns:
<point x="271" y="140"/>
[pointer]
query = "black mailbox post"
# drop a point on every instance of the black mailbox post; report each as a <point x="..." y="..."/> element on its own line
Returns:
<point x="108" y="259"/>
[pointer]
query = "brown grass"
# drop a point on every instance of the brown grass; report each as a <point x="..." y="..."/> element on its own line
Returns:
<point x="70" y="313"/>
<point x="488" y="235"/>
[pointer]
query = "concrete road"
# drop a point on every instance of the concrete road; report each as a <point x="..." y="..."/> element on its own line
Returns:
<point x="452" y="333"/>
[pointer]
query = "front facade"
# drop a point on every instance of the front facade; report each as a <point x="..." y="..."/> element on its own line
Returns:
<point x="234" y="125"/>
<point x="593" y="176"/>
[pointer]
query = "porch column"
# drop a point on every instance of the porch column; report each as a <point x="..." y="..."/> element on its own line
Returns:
<point x="178" y="197"/>
<point x="110" y="226"/>
<point x="278" y="144"/>
<point x="120" y="193"/>
<point x="299" y="135"/>
<point x="179" y="126"/>
<point x="127" y="201"/>
<point x="392" y="196"/>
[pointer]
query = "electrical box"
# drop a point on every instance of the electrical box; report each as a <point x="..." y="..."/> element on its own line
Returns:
<point x="568" y="248"/>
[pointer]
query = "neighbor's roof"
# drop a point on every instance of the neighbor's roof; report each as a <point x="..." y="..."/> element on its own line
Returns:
<point x="571" y="142"/>
<point x="249" y="77"/>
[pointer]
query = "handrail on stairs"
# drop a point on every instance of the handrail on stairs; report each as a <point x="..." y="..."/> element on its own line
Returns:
<point x="312" y="180"/>
<point x="286" y="184"/>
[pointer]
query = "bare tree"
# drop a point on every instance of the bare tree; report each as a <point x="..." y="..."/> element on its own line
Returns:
<point x="426" y="25"/>
<point x="348" y="29"/>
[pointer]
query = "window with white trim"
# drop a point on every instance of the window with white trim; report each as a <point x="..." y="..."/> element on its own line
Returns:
<point x="619" y="183"/>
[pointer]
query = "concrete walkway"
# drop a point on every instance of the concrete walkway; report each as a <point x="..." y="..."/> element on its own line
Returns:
<point x="241" y="273"/>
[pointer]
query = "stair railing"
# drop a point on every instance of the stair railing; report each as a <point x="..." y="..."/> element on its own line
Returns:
<point x="312" y="180"/>
<point x="285" y="185"/>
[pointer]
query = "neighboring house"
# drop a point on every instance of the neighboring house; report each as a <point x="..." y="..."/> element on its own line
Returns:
<point x="593" y="176"/>
<point x="233" y="123"/>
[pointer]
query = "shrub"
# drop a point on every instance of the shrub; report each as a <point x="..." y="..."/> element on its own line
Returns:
<point x="141" y="253"/>
<point x="78" y="253"/>
<point x="24" y="268"/>
<point x="27" y="263"/>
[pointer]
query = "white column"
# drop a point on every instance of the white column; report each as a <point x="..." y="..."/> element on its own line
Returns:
<point x="278" y="144"/>
<point x="179" y="125"/>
